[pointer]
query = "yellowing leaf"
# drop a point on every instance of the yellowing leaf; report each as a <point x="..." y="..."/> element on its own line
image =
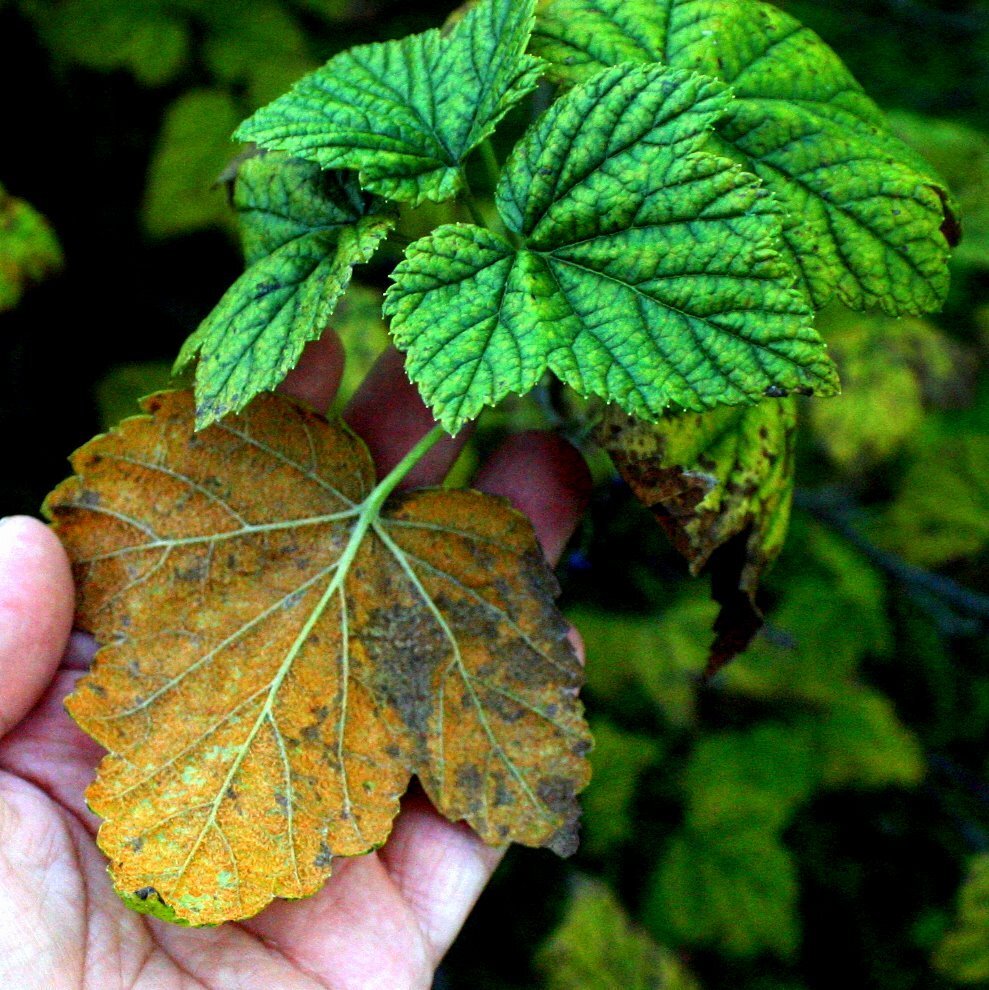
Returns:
<point x="721" y="486"/>
<point x="963" y="956"/>
<point x="891" y="369"/>
<point x="596" y="947"/>
<point x="279" y="657"/>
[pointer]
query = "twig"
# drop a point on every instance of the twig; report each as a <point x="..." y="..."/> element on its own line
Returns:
<point x="958" y="610"/>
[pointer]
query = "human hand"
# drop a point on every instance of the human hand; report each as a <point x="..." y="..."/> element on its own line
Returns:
<point x="383" y="920"/>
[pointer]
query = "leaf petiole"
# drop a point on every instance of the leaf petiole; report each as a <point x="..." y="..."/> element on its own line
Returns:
<point x="491" y="166"/>
<point x="380" y="495"/>
<point x="473" y="206"/>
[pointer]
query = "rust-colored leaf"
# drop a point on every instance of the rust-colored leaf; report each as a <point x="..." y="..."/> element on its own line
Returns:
<point x="275" y="663"/>
<point x="721" y="486"/>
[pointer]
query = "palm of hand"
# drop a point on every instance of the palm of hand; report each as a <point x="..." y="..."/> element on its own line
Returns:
<point x="382" y="921"/>
<point x="62" y="926"/>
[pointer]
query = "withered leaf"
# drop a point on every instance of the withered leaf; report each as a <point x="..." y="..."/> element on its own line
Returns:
<point x="274" y="666"/>
<point x="721" y="486"/>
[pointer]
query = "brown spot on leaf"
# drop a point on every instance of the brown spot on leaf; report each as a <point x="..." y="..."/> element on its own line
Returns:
<point x="720" y="485"/>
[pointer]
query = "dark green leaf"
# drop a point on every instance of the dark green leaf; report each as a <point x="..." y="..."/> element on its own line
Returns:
<point x="647" y="272"/>
<point x="303" y="231"/>
<point x="406" y="114"/>
<point x="864" y="214"/>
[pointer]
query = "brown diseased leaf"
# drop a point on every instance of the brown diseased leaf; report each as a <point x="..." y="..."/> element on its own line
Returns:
<point x="269" y="681"/>
<point x="721" y="486"/>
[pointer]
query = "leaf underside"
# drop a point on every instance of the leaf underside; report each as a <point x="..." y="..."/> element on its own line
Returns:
<point x="406" y="114"/>
<point x="721" y="486"/>
<point x="866" y="219"/>
<point x="303" y="231"/>
<point x="268" y="681"/>
<point x="647" y="271"/>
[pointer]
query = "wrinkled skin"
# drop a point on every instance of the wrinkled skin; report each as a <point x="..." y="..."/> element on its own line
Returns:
<point x="383" y="921"/>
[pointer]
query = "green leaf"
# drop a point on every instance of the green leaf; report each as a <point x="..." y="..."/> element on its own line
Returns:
<point x="656" y="659"/>
<point x="406" y="114"/>
<point x="29" y="250"/>
<point x="303" y="232"/>
<point x="596" y="947"/>
<point x="862" y="743"/>
<point x="753" y="779"/>
<point x="142" y="36"/>
<point x="831" y="616"/>
<point x="192" y="151"/>
<point x="961" y="155"/>
<point x="259" y="44"/>
<point x="721" y="486"/>
<point x="941" y="512"/>
<point x="891" y="370"/>
<point x="647" y="273"/>
<point x="736" y="892"/>
<point x="864" y="214"/>
<point x="618" y="761"/>
<point x="963" y="956"/>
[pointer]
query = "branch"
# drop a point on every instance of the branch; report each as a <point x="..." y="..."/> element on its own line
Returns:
<point x="958" y="610"/>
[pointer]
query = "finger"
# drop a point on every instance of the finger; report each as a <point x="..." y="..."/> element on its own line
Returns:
<point x="441" y="869"/>
<point x="545" y="478"/>
<point x="36" y="606"/>
<point x="51" y="751"/>
<point x="315" y="380"/>
<point x="391" y="418"/>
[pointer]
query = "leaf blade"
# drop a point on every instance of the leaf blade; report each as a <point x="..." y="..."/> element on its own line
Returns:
<point x="864" y="213"/>
<point x="406" y="114"/>
<point x="267" y="686"/>
<point x="721" y="486"/>
<point x="621" y="280"/>
<point x="303" y="231"/>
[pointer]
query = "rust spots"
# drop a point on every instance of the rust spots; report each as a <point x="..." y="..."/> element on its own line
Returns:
<point x="259" y="704"/>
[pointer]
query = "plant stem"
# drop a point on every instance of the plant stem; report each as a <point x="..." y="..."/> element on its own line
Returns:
<point x="473" y="206"/>
<point x="491" y="166"/>
<point x="377" y="498"/>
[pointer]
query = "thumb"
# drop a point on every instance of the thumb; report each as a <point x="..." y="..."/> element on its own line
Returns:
<point x="36" y="608"/>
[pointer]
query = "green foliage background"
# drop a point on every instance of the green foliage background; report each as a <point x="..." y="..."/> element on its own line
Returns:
<point x="820" y="811"/>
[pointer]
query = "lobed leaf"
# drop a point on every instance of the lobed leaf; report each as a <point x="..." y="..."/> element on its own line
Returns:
<point x="303" y="230"/>
<point x="646" y="272"/>
<point x="275" y="664"/>
<point x="406" y="114"/>
<point x="721" y="486"/>
<point x="737" y="892"/>
<point x="961" y="155"/>
<point x="865" y="218"/>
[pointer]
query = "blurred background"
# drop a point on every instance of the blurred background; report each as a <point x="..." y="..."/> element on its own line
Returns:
<point x="820" y="811"/>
